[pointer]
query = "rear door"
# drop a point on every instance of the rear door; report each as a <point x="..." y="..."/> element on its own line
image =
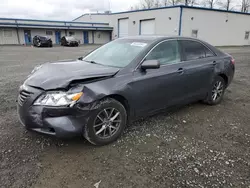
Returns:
<point x="199" y="64"/>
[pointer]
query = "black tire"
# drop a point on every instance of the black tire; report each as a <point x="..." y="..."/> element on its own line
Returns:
<point x="211" y="99"/>
<point x="89" y="131"/>
<point x="39" y="44"/>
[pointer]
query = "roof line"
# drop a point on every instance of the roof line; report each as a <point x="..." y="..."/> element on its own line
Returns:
<point x="167" y="7"/>
<point x="141" y="10"/>
<point x="54" y="21"/>
<point x="78" y="17"/>
<point x="216" y="10"/>
<point x="17" y="25"/>
<point x="91" y="14"/>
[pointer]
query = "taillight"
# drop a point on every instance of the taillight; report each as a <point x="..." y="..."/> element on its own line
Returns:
<point x="232" y="60"/>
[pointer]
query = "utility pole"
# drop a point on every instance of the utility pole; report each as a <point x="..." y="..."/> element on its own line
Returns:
<point x="109" y="6"/>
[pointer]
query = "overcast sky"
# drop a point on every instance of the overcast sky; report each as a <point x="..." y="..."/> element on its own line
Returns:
<point x="59" y="9"/>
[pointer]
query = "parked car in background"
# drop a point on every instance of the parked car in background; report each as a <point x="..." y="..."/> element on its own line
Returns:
<point x="69" y="41"/>
<point x="42" y="41"/>
<point x="129" y="78"/>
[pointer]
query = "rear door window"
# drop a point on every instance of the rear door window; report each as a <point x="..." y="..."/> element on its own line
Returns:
<point x="194" y="50"/>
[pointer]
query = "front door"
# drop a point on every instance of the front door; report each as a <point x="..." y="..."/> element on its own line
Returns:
<point x="58" y="37"/>
<point x="86" y="37"/>
<point x="156" y="89"/>
<point x="27" y="37"/>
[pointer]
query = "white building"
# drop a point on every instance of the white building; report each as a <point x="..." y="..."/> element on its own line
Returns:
<point x="218" y="27"/>
<point x="22" y="31"/>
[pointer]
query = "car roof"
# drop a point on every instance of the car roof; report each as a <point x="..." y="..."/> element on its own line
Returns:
<point x="154" y="38"/>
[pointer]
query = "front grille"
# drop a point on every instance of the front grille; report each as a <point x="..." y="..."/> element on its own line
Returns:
<point x="23" y="95"/>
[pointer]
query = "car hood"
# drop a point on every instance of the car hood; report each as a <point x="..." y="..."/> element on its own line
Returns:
<point x="71" y="40"/>
<point x="61" y="74"/>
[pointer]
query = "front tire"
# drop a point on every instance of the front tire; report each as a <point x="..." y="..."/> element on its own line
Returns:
<point x="216" y="91"/>
<point x="106" y="123"/>
<point x="39" y="44"/>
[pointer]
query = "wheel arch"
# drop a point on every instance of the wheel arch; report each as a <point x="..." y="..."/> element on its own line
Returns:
<point x="224" y="76"/>
<point x="123" y="101"/>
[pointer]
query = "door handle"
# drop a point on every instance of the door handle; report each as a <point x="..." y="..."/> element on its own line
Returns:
<point x="180" y="70"/>
<point x="214" y="62"/>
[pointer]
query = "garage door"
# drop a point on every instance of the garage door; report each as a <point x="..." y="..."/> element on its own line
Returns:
<point x="147" y="27"/>
<point x="123" y="28"/>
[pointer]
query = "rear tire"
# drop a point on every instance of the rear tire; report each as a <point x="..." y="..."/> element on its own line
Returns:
<point x="216" y="91"/>
<point x="106" y="123"/>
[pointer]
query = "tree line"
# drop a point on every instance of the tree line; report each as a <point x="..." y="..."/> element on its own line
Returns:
<point x="237" y="5"/>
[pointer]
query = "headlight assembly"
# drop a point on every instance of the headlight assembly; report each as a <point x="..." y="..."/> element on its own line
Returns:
<point x="58" y="99"/>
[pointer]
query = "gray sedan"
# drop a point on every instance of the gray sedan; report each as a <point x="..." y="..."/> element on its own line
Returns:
<point x="98" y="95"/>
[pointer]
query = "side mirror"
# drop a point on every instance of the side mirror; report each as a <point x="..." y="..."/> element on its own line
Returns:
<point x="150" y="64"/>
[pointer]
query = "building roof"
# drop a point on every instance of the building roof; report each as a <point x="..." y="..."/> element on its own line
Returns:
<point x="168" y="7"/>
<point x="52" y="21"/>
<point x="31" y="23"/>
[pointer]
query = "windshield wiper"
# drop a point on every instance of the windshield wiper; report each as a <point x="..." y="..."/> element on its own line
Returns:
<point x="93" y="62"/>
<point x="81" y="59"/>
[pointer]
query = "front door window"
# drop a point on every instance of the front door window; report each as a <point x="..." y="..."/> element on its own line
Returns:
<point x="166" y="52"/>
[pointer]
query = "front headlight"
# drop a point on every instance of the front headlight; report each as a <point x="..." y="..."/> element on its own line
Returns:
<point x="58" y="99"/>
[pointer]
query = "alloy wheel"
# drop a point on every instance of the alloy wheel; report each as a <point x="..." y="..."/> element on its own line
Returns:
<point x="38" y="43"/>
<point x="107" y="123"/>
<point x="217" y="91"/>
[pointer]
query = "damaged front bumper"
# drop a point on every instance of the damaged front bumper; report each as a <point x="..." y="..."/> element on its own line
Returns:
<point x="63" y="122"/>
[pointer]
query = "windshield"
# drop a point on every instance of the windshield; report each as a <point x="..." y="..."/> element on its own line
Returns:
<point x="44" y="38"/>
<point x="118" y="53"/>
<point x="70" y="38"/>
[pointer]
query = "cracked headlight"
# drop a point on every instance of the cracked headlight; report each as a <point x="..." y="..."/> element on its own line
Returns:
<point x="58" y="99"/>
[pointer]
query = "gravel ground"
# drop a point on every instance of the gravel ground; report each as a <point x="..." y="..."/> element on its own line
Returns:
<point x="193" y="146"/>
